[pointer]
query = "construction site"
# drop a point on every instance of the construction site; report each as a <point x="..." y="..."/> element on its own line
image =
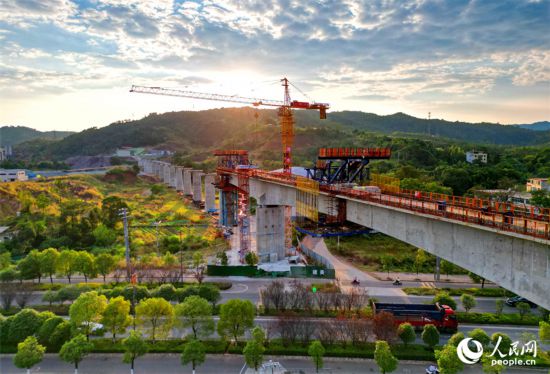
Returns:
<point x="264" y="212"/>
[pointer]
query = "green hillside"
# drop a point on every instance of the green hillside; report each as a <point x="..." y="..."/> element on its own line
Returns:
<point x="13" y="135"/>
<point x="199" y="130"/>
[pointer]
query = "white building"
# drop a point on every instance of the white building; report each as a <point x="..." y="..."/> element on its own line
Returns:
<point x="5" y="234"/>
<point x="537" y="184"/>
<point x="476" y="155"/>
<point x="13" y="175"/>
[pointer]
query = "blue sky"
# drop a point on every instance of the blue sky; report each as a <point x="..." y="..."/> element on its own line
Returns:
<point x="69" y="64"/>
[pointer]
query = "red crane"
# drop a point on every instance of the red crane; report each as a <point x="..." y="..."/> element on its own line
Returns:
<point x="285" y="110"/>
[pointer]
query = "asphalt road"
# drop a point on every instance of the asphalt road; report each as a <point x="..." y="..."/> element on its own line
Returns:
<point x="218" y="364"/>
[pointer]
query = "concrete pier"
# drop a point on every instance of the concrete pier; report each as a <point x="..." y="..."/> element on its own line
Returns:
<point x="270" y="233"/>
<point x="179" y="178"/>
<point x="166" y="175"/>
<point x="196" y="177"/>
<point x="187" y="182"/>
<point x="173" y="176"/>
<point x="209" y="193"/>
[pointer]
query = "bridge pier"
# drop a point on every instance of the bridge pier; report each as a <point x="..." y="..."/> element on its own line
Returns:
<point x="197" y="185"/>
<point x="166" y="173"/>
<point x="172" y="182"/>
<point x="228" y="208"/>
<point x="179" y="178"/>
<point x="187" y="183"/>
<point x="209" y="193"/>
<point x="270" y="233"/>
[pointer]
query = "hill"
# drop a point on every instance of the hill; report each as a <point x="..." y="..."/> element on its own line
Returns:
<point x="537" y="126"/>
<point x="13" y="135"/>
<point x="196" y="131"/>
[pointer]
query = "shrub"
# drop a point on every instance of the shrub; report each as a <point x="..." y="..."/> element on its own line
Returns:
<point x="430" y="336"/>
<point x="406" y="333"/>
<point x="25" y="323"/>
<point x="61" y="334"/>
<point x="183" y="293"/>
<point x="481" y="336"/>
<point x="166" y="291"/>
<point x="444" y="298"/>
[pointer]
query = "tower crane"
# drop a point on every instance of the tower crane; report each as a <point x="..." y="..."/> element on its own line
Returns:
<point x="285" y="107"/>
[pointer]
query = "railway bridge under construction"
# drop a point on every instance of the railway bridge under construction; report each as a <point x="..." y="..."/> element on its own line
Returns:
<point x="506" y="244"/>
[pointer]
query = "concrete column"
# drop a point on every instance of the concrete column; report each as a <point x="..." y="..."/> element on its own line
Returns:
<point x="228" y="208"/>
<point x="179" y="178"/>
<point x="187" y="183"/>
<point x="173" y="176"/>
<point x="270" y="233"/>
<point x="196" y="177"/>
<point x="166" y="174"/>
<point x="209" y="193"/>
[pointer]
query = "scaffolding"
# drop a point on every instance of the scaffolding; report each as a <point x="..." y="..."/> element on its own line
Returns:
<point x="244" y="214"/>
<point x="307" y="200"/>
<point x="386" y="183"/>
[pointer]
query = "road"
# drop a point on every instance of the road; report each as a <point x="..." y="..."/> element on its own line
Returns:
<point x="218" y="364"/>
<point x="249" y="288"/>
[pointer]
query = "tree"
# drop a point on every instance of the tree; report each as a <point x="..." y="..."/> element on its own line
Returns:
<point x="196" y="313"/>
<point x="384" y="326"/>
<point x="468" y="301"/>
<point x="251" y="259"/>
<point x="419" y="260"/>
<point x="103" y="236"/>
<point x="105" y="264"/>
<point x="430" y="336"/>
<point x="456" y="338"/>
<point x="25" y="323"/>
<point x="540" y="198"/>
<point x="316" y="351"/>
<point x="222" y="256"/>
<point x="443" y="298"/>
<point x="199" y="265"/>
<point x="210" y="292"/>
<point x="481" y="336"/>
<point x="384" y="357"/>
<point x="387" y="263"/>
<point x="66" y="263"/>
<point x="406" y="333"/>
<point x="46" y="330"/>
<point x="477" y="279"/>
<point x="50" y="297"/>
<point x="116" y="316"/>
<point x="523" y="309"/>
<point x="29" y="353"/>
<point x="5" y="260"/>
<point x="544" y="331"/>
<point x="85" y="264"/>
<point x="236" y="316"/>
<point x="75" y="350"/>
<point x="254" y="353"/>
<point x="48" y="262"/>
<point x="30" y="266"/>
<point x="446" y="267"/>
<point x="193" y="353"/>
<point x="110" y="210"/>
<point x="448" y="361"/>
<point x="134" y="347"/>
<point x="156" y="315"/>
<point x="86" y="310"/>
<point x="60" y="335"/>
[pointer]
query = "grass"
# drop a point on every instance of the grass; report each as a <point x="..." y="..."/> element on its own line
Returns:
<point x="366" y="252"/>
<point x="484" y="292"/>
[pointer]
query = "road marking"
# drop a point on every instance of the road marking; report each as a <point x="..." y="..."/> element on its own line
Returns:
<point x="428" y="284"/>
<point x="243" y="290"/>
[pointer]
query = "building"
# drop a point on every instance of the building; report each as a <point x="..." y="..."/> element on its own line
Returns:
<point x="538" y="184"/>
<point x="128" y="152"/>
<point x="476" y="155"/>
<point x="13" y="175"/>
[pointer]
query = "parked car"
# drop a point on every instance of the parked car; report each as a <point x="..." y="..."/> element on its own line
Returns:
<point x="432" y="369"/>
<point x="513" y="301"/>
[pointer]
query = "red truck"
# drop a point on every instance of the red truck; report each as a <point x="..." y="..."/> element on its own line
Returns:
<point x="441" y="316"/>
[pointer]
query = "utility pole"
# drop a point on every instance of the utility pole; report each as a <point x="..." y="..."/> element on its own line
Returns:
<point x="124" y="214"/>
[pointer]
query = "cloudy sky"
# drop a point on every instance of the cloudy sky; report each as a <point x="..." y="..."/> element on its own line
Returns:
<point x="68" y="65"/>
